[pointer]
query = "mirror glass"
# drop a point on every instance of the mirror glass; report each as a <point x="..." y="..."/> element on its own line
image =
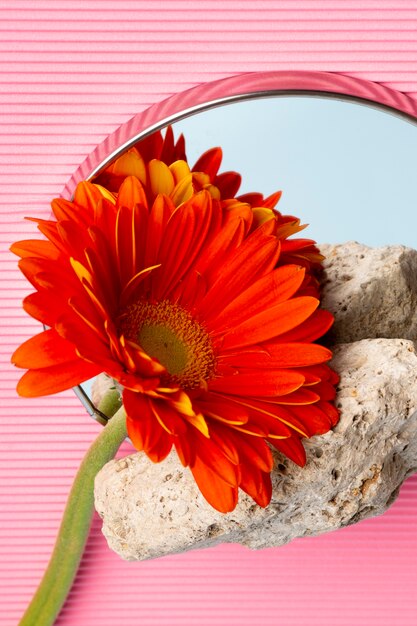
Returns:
<point x="346" y="167"/>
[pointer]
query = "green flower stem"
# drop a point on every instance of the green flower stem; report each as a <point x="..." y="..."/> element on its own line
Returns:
<point x="73" y="533"/>
<point x="110" y="402"/>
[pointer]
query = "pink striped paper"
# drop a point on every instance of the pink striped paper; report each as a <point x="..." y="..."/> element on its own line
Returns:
<point x="72" y="71"/>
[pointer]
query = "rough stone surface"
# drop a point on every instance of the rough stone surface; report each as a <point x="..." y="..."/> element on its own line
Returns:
<point x="371" y="291"/>
<point x="352" y="473"/>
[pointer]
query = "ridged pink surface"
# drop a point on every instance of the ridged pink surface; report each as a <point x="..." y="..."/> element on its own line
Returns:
<point x="71" y="72"/>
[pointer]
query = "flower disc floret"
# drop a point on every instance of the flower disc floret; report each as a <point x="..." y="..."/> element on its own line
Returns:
<point x="169" y="334"/>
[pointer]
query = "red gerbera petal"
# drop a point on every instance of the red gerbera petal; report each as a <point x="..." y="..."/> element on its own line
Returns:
<point x="257" y="485"/>
<point x="209" y="162"/>
<point x="258" y="383"/>
<point x="277" y="286"/>
<point x="56" y="378"/>
<point x="44" y="350"/>
<point x="216" y="491"/>
<point x="292" y="448"/>
<point x="271" y="323"/>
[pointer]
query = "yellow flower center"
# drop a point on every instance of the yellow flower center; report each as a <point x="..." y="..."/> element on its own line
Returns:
<point x="170" y="334"/>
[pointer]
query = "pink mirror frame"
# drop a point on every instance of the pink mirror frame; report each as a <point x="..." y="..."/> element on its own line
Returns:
<point x="235" y="88"/>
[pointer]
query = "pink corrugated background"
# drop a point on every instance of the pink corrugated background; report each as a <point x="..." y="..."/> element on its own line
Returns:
<point x="71" y="71"/>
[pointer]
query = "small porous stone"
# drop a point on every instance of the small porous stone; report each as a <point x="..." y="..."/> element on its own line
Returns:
<point x="371" y="291"/>
<point x="353" y="472"/>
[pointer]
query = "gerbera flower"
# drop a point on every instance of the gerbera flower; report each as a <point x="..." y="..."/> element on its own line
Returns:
<point x="186" y="308"/>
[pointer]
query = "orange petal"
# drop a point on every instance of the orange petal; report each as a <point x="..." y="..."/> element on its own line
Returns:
<point x="151" y="146"/>
<point x="321" y="372"/>
<point x="271" y="323"/>
<point x="138" y="424"/>
<point x="218" y="494"/>
<point x="66" y="210"/>
<point x="271" y="201"/>
<point x="276" y="355"/>
<point x="234" y="209"/>
<point x="223" y="409"/>
<point x="290" y="226"/>
<point x="88" y="195"/>
<point x="143" y="428"/>
<point x="160" y="450"/>
<point x="183" y="190"/>
<point x="180" y="169"/>
<point x="137" y="361"/>
<point x="49" y="380"/>
<point x="212" y="457"/>
<point x="131" y="230"/>
<point x="228" y="184"/>
<point x="310" y="330"/>
<point x="185" y="451"/>
<point x="161" y="179"/>
<point x="315" y="419"/>
<point x="182" y="240"/>
<point x="218" y="434"/>
<point x="254" y="198"/>
<point x="132" y="288"/>
<point x="261" y="215"/>
<point x="107" y="289"/>
<point x="296" y="245"/>
<point x="161" y="211"/>
<point x="49" y="229"/>
<point x="330" y="410"/>
<point x="105" y="223"/>
<point x="172" y="151"/>
<point x="131" y="192"/>
<point x="326" y="390"/>
<point x="258" y="383"/>
<point x="198" y="421"/>
<point x="300" y="397"/>
<point x="130" y="163"/>
<point x="209" y="162"/>
<point x="292" y="448"/>
<point x="169" y="419"/>
<point x="255" y="257"/>
<point x="190" y="290"/>
<point x="228" y="239"/>
<point x="252" y="451"/>
<point x="43" y="306"/>
<point x="89" y="283"/>
<point x="36" y="248"/>
<point x="74" y="238"/>
<point x="266" y="412"/>
<point x="256" y="484"/>
<point x="44" y="350"/>
<point x="78" y="327"/>
<point x="276" y="287"/>
<point x="32" y="268"/>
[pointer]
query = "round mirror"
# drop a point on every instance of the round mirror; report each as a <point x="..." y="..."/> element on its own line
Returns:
<point x="345" y="164"/>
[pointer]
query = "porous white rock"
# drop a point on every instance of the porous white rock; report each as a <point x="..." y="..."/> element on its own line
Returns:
<point x="371" y="291"/>
<point x="352" y="472"/>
